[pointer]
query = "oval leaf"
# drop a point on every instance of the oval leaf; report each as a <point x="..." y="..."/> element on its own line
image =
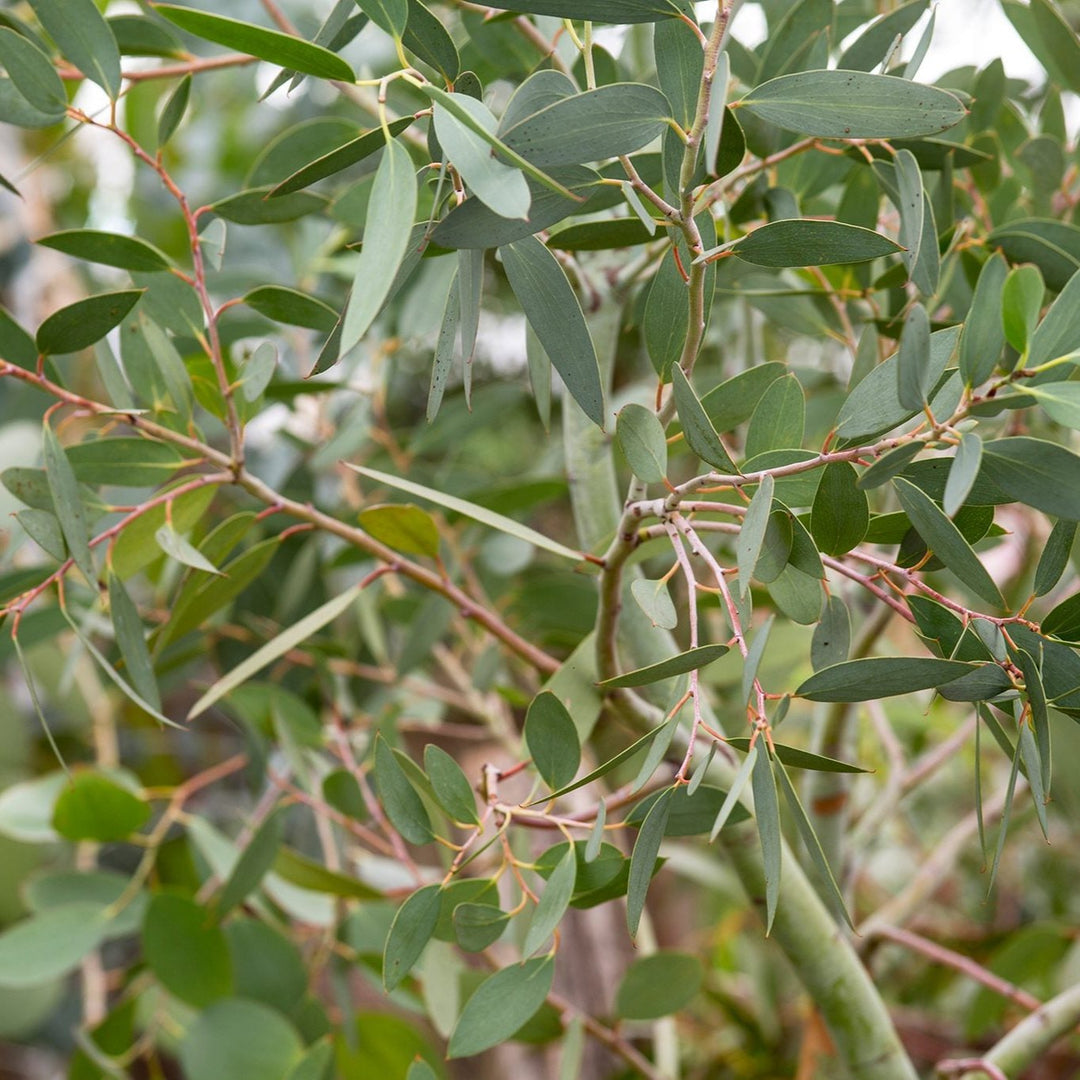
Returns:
<point x="690" y="660"/>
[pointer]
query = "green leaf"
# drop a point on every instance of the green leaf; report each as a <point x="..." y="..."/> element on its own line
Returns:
<point x="471" y="510"/>
<point x="813" y="846"/>
<point x="68" y="503"/>
<point x="643" y="858"/>
<point x="735" y="400"/>
<point x="880" y="676"/>
<point x="612" y="763"/>
<point x="16" y="345"/>
<point x="916" y="214"/>
<point x="173" y="111"/>
<point x="174" y="545"/>
<point x="1021" y="302"/>
<point x="410" y="932"/>
<point x="94" y="807"/>
<point x="1053" y="246"/>
<point x="962" y="472"/>
<point x="131" y="639"/>
<point x="50" y="944"/>
<point x="274" y="47"/>
<point x="840" y="515"/>
<point x="386" y="237"/>
<point x="554" y="313"/>
<point x="658" y="985"/>
<point x="602" y="235"/>
<point x="654" y="599"/>
<point x="874" y="405"/>
<point x="501" y="1005"/>
<point x="807" y="242"/>
<point x="801" y="759"/>
<point x="641" y="437"/>
<point x="137" y="35"/>
<point x="403" y="527"/>
<point x="612" y="11"/>
<point x="946" y="540"/>
<point x="853" y="105"/>
<point x="289" y="306"/>
<point x="983" y="336"/>
<point x="445" y="347"/>
<point x="186" y="950"/>
<point x="388" y="15"/>
<point x="751" y="536"/>
<point x="554" y="901"/>
<point x="664" y="321"/>
<point x="43" y="528"/>
<point x="1055" y="556"/>
<point x="1063" y="621"/>
<point x="690" y="660"/>
<point x="767" y="815"/>
<point x="476" y="926"/>
<point x="500" y="187"/>
<point x="338" y="159"/>
<point x="253" y="865"/>
<point x="601" y="123"/>
<point x="84" y="38"/>
<point x="426" y="36"/>
<point x="691" y="813"/>
<point x="1057" y="334"/>
<point x="876" y="40"/>
<point x="1040" y="719"/>
<point x="738" y="785"/>
<point x="1036" y="473"/>
<point x="1059" y="41"/>
<point x="832" y="635"/>
<point x="109" y="249"/>
<point x="285" y="641"/>
<point x="312" y="876"/>
<point x="552" y="740"/>
<point x="400" y="800"/>
<point x="240" y="1040"/>
<point x="81" y="324"/>
<point x="913" y="359"/>
<point x="450" y="784"/>
<point x="258" y="370"/>
<point x="267" y="965"/>
<point x="779" y="420"/>
<point x="701" y="436"/>
<point x="32" y="73"/>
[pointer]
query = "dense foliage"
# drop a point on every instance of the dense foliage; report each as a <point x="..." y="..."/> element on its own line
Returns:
<point x="443" y="445"/>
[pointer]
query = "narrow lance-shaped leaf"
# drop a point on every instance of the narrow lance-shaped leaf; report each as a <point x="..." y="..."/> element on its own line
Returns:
<point x="690" y="660"/>
<point x="701" y="436"/>
<point x="832" y="635"/>
<point x="800" y="759"/>
<point x="643" y="858"/>
<point x="767" y="815"/>
<point x="555" y="315"/>
<point x="853" y="105"/>
<point x="946" y="540"/>
<point x="738" y="786"/>
<point x="109" y="249"/>
<point x="84" y="38"/>
<point x="813" y="845"/>
<point x="68" y="503"/>
<point x="983" y="336"/>
<point x="173" y="544"/>
<point x="807" y="242"/>
<point x="390" y="215"/>
<point x="752" y="535"/>
<point x="445" y="346"/>
<point x="173" y="111"/>
<point x="286" y="50"/>
<point x="880" y="676"/>
<point x="275" y="648"/>
<point x="471" y="510"/>
<point x="252" y="866"/>
<point x="85" y="322"/>
<point x="962" y="472"/>
<point x="610" y="11"/>
<point x="913" y="362"/>
<point x="1055" y="556"/>
<point x="131" y="639"/>
<point x="554" y="901"/>
<point x="403" y="805"/>
<point x="1040" y="720"/>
